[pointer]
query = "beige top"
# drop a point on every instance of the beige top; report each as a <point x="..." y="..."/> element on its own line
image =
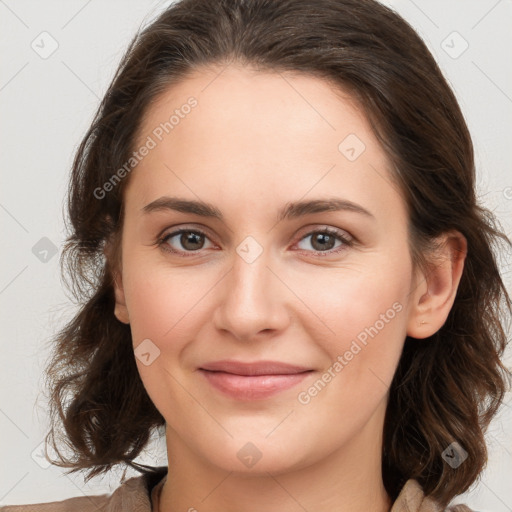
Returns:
<point x="138" y="493"/>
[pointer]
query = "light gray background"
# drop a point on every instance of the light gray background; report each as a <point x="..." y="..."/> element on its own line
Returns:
<point x="47" y="103"/>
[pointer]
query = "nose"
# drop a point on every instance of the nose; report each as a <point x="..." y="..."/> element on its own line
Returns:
<point x="254" y="300"/>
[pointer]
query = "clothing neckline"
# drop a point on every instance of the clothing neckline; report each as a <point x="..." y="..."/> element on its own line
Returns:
<point x="156" y="492"/>
<point x="411" y="497"/>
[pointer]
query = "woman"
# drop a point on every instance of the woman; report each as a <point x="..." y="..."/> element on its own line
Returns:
<point x="281" y="260"/>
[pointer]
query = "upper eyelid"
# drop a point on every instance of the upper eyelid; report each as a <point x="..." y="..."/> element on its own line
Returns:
<point x="176" y="229"/>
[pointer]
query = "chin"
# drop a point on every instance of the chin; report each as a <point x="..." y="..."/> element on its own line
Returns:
<point x="256" y="455"/>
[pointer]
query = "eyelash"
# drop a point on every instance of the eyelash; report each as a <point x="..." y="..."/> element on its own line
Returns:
<point x="162" y="242"/>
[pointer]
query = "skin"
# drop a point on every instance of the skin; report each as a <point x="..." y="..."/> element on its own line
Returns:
<point x="255" y="142"/>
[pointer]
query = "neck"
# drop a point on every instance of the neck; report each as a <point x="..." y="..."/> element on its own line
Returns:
<point x="348" y="480"/>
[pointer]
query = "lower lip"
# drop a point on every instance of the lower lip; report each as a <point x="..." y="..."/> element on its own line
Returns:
<point x="252" y="387"/>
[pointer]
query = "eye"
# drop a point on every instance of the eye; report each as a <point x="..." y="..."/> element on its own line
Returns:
<point x="189" y="240"/>
<point x="323" y="241"/>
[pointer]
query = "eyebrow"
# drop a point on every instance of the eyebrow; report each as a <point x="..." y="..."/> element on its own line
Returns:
<point x="291" y="210"/>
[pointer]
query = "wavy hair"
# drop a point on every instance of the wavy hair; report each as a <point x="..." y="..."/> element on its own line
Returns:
<point x="446" y="387"/>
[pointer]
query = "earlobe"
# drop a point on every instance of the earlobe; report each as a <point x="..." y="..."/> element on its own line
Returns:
<point x="114" y="263"/>
<point x="120" y="309"/>
<point x="435" y="289"/>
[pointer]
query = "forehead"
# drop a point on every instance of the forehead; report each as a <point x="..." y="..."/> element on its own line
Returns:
<point x="261" y="102"/>
<point x="258" y="135"/>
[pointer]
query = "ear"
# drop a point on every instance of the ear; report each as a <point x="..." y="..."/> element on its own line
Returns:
<point x="114" y="263"/>
<point x="436" y="288"/>
<point x="120" y="309"/>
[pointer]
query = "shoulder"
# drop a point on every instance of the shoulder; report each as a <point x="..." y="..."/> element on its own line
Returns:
<point x="412" y="499"/>
<point x="134" y="495"/>
<point x="85" y="503"/>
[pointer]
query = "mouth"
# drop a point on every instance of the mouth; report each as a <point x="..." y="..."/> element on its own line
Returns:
<point x="253" y="381"/>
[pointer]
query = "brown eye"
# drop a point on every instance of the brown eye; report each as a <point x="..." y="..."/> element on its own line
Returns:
<point x="184" y="240"/>
<point x="192" y="241"/>
<point x="322" y="241"/>
<point x="325" y="240"/>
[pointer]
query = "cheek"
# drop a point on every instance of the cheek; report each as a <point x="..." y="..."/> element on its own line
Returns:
<point x="363" y="313"/>
<point x="160" y="300"/>
<point x="165" y="307"/>
<point x="345" y="303"/>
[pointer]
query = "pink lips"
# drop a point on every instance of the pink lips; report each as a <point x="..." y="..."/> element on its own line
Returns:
<point x="252" y="381"/>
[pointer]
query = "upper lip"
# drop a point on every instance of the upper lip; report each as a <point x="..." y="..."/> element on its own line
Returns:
<point x="254" y="368"/>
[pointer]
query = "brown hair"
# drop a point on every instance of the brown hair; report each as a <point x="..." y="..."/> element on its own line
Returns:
<point x="447" y="387"/>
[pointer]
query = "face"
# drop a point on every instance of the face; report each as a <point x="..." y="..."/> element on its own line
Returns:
<point x="269" y="324"/>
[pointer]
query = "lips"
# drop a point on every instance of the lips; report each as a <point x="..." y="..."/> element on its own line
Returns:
<point x="252" y="381"/>
<point x="256" y="368"/>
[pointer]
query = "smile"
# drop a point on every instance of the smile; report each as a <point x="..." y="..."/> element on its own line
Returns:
<point x="253" y="381"/>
